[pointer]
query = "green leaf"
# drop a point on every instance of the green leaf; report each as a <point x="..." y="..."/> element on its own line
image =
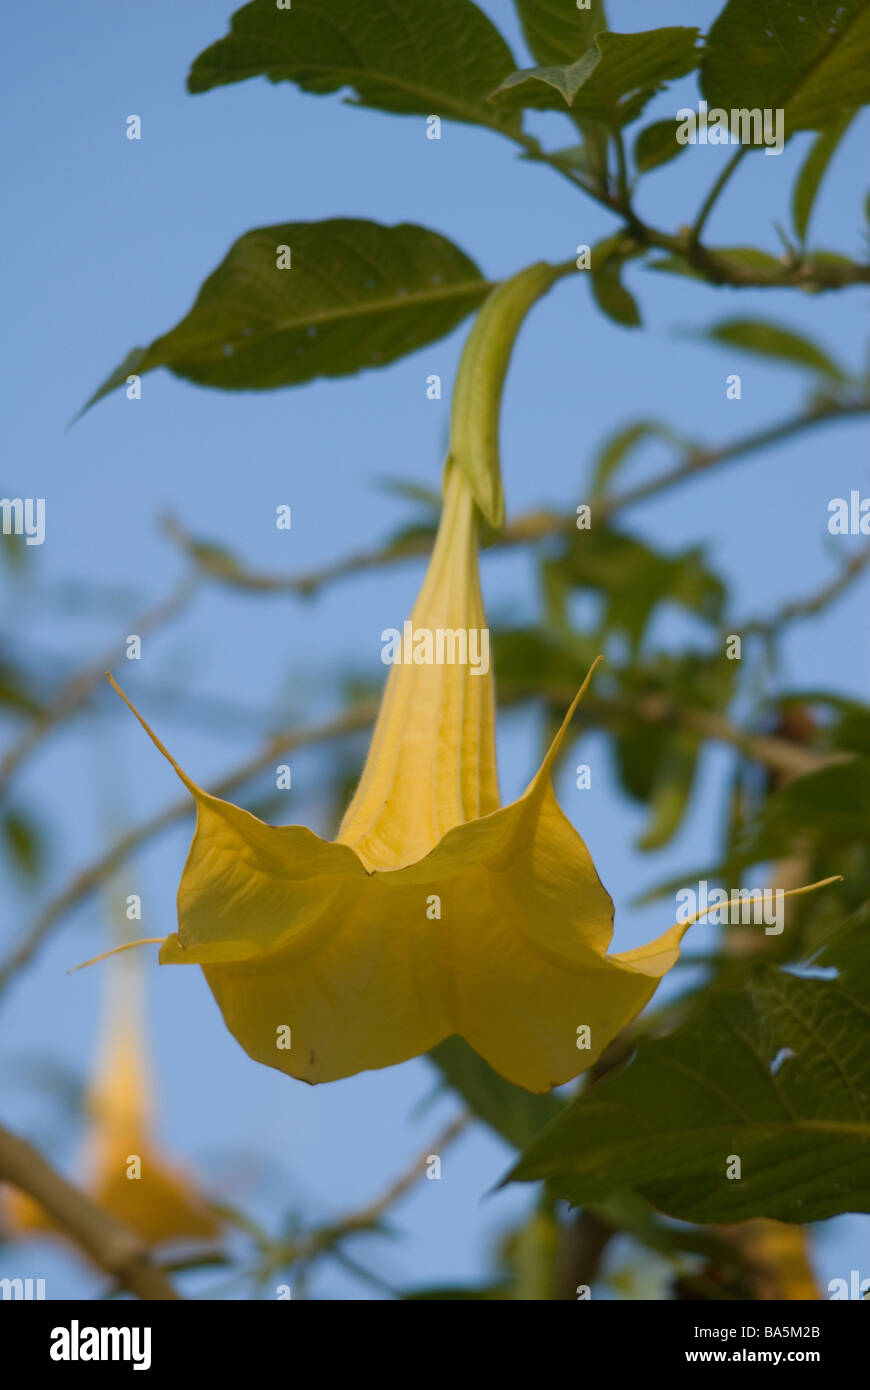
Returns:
<point x="812" y="172"/>
<point x="777" y="1074"/>
<point x="656" y="144"/>
<point x="358" y="294"/>
<point x="411" y="59"/>
<point x="741" y="258"/>
<point x="23" y="842"/>
<point x="810" y="58"/>
<point x="676" y="265"/>
<point x="16" y="693"/>
<point x="772" y="340"/>
<point x="612" y="81"/>
<point x="512" y="1112"/>
<point x="633" y="578"/>
<point x="672" y="791"/>
<point x="620" y="445"/>
<point x="834" y="802"/>
<point x="557" y="32"/>
<point x="611" y="296"/>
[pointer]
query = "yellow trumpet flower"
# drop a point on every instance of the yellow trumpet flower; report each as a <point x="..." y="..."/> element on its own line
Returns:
<point x="121" y="1169"/>
<point x="436" y="911"/>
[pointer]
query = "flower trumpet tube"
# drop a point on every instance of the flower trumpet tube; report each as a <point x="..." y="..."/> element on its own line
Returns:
<point x="436" y="911"/>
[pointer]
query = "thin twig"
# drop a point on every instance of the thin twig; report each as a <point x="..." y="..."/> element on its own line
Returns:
<point x="531" y="526"/>
<point x="109" y="1244"/>
<point x="713" y="196"/>
<point x="812" y="604"/>
<point x="715" y="266"/>
<point x="76" y="691"/>
<point x="367" y="1218"/>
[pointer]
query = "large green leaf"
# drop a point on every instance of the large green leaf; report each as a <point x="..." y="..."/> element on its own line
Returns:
<point x="517" y="1115"/>
<point x="612" y="81"/>
<point x="557" y="32"/>
<point x="772" y="340"/>
<point x="809" y="57"/>
<point x="357" y="295"/>
<point x="777" y="1074"/>
<point x="413" y="59"/>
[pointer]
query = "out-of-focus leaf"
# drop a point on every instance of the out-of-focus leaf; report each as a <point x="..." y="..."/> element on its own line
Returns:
<point x="612" y="81"/>
<point x="809" y="57"/>
<point x="559" y="33"/>
<point x="835" y="802"/>
<point x="671" y="792"/>
<point x="772" y="340"/>
<point x="611" y="296"/>
<point x="512" y="1112"/>
<point x="675" y="265"/>
<point x="750" y="258"/>
<point x="357" y="294"/>
<point x="532" y="1252"/>
<point x="741" y="258"/>
<point x="414" y="492"/>
<point x="776" y="1075"/>
<point x="656" y="144"/>
<point x="634" y="578"/>
<point x="620" y="445"/>
<point x="812" y="171"/>
<point x="24" y="843"/>
<point x="413" y="61"/>
<point x="15" y="691"/>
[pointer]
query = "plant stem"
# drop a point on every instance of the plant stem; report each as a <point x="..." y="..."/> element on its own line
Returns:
<point x="713" y="196"/>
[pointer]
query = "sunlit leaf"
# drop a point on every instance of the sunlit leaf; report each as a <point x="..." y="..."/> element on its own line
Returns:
<point x="414" y="62"/>
<point x="356" y="294"/>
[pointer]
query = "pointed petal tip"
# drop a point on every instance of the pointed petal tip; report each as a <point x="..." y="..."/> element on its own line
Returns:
<point x="552" y="753"/>
<point x="161" y="747"/>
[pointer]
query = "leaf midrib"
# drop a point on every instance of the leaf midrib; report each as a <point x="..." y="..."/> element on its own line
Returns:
<point x="341" y="312"/>
<point x="823" y="57"/>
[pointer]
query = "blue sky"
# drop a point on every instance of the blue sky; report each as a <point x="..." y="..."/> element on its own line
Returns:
<point x="108" y="241"/>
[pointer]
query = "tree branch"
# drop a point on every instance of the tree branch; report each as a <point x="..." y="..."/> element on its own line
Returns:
<point x="111" y="1246"/>
<point x="812" y="604"/>
<point x="526" y="529"/>
<point x="76" y="691"/>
